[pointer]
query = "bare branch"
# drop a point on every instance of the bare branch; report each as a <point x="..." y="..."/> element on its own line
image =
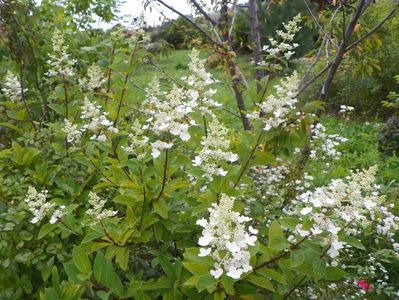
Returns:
<point x="307" y="84"/>
<point x="234" y="8"/>
<point x="326" y="34"/>
<point x="203" y="12"/>
<point x="359" y="10"/>
<point x="202" y="30"/>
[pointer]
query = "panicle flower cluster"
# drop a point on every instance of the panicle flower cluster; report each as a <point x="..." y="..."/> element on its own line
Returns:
<point x="345" y="205"/>
<point x="118" y="34"/>
<point x="95" y="79"/>
<point x="199" y="93"/>
<point x="325" y="145"/>
<point x="226" y="239"/>
<point x="272" y="180"/>
<point x="96" y="121"/>
<point x="215" y="151"/>
<point x="60" y="62"/>
<point x="138" y="141"/>
<point x="98" y="213"/>
<point x="285" y="47"/>
<point x="277" y="108"/>
<point x="12" y="87"/>
<point x="72" y="131"/>
<point x="40" y="208"/>
<point x="168" y="114"/>
<point x="139" y="33"/>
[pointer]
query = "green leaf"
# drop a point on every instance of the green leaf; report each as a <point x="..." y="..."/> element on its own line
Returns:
<point x="161" y="208"/>
<point x="196" y="268"/>
<point x="122" y="257"/>
<point x="275" y="230"/>
<point x="272" y="274"/>
<point x="50" y="294"/>
<point x="297" y="258"/>
<point x="334" y="273"/>
<point x="352" y="241"/>
<point x="81" y="260"/>
<point x="319" y="269"/>
<point x="127" y="200"/>
<point x="46" y="229"/>
<point x="206" y="282"/>
<point x="102" y="269"/>
<point x="260" y="282"/>
<point x="228" y="285"/>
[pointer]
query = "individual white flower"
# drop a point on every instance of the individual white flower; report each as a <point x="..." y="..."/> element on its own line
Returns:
<point x="12" y="87"/>
<point x="217" y="272"/>
<point x="306" y="210"/>
<point x="60" y="63"/>
<point x="159" y="145"/>
<point x="226" y="240"/>
<point x="214" y="151"/>
<point x="97" y="212"/>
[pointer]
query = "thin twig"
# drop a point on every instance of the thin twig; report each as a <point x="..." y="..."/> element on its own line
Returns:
<point x="375" y="28"/>
<point x="202" y="30"/>
<point x="318" y="24"/>
<point x="203" y="12"/>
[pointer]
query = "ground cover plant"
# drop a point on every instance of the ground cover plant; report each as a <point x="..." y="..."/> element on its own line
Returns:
<point x="127" y="175"/>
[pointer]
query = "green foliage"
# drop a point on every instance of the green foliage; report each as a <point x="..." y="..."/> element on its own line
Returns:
<point x="149" y="248"/>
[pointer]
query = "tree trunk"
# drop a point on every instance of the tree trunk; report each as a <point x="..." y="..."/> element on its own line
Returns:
<point x="255" y="36"/>
<point x="237" y="80"/>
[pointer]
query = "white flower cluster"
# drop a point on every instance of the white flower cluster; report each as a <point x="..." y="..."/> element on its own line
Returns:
<point x="98" y="213"/>
<point x="274" y="181"/>
<point x="95" y="122"/>
<point x="138" y="141"/>
<point x="284" y="48"/>
<point x="118" y="34"/>
<point x="346" y="205"/>
<point x="168" y="114"/>
<point x="269" y="178"/>
<point x="199" y="92"/>
<point x="277" y="108"/>
<point x="215" y="151"/>
<point x="39" y="207"/>
<point x="72" y="131"/>
<point x="324" y="145"/>
<point x="343" y="109"/>
<point x="226" y="239"/>
<point x="95" y="79"/>
<point x="60" y="63"/>
<point x="12" y="87"/>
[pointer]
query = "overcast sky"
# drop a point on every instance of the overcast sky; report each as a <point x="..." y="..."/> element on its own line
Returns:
<point x="134" y="8"/>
